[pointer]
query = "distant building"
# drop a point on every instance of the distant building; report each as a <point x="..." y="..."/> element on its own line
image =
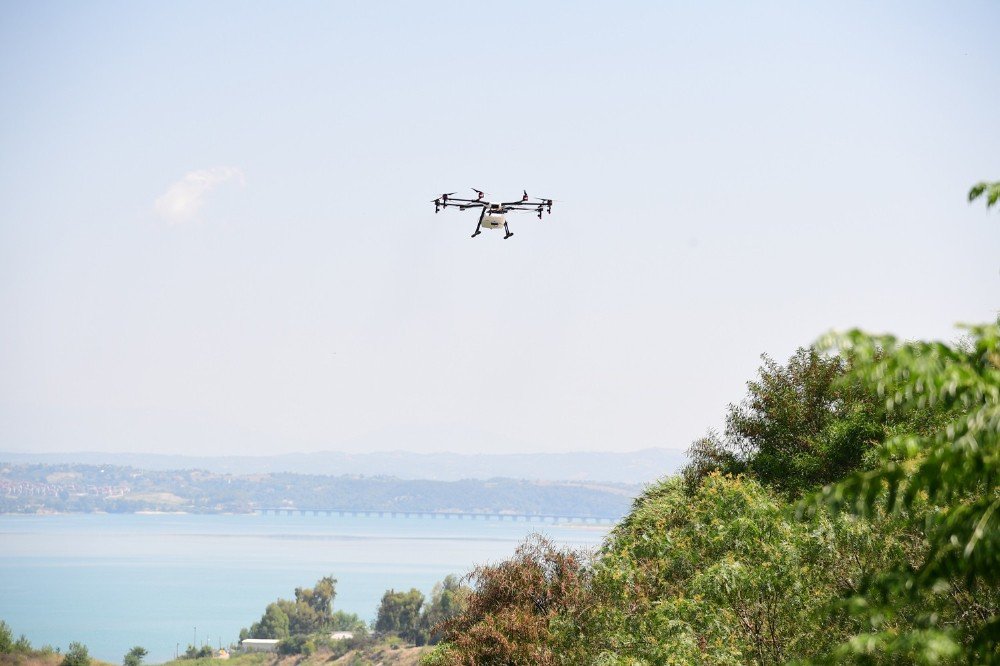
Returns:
<point x="341" y="635"/>
<point x="259" y="644"/>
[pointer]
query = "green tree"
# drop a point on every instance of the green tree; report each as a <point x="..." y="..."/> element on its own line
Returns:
<point x="449" y="598"/>
<point x="319" y="597"/>
<point x="134" y="656"/>
<point x="10" y="646"/>
<point x="989" y="191"/>
<point x="203" y="652"/>
<point x="343" y="621"/>
<point x="797" y="429"/>
<point x="310" y="613"/>
<point x="399" y="612"/>
<point x="6" y="638"/>
<point x="954" y="470"/>
<point x="76" y="655"/>
<point x="273" y="624"/>
<point x="721" y="577"/>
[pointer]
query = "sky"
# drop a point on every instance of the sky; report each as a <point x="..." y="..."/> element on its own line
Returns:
<point x="217" y="236"/>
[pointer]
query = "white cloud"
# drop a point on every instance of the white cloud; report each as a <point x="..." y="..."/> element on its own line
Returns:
<point x="183" y="199"/>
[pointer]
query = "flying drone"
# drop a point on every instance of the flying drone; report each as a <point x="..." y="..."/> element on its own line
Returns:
<point x="493" y="214"/>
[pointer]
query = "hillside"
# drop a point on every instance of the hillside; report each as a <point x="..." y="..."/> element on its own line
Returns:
<point x="86" y="488"/>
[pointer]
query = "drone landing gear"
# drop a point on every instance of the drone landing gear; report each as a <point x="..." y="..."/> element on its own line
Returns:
<point x="480" y="223"/>
<point x="507" y="231"/>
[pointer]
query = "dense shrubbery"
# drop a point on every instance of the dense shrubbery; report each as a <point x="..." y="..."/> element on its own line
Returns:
<point x="848" y="513"/>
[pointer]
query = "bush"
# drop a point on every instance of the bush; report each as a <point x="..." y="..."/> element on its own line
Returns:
<point x="298" y="644"/>
<point x="76" y="655"/>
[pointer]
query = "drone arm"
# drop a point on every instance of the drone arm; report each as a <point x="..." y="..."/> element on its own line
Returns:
<point x="533" y="208"/>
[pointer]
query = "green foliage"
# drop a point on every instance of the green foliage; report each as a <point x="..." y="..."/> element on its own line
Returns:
<point x="134" y="656"/>
<point x="310" y="613"/>
<point x="399" y="612"/>
<point x="343" y="621"/>
<point x="989" y="191"/>
<point x="76" y="655"/>
<point x="449" y="598"/>
<point x="193" y="652"/>
<point x="726" y="576"/>
<point x="320" y="597"/>
<point x="298" y="644"/>
<point x="6" y="638"/>
<point x="798" y="428"/>
<point x="273" y="624"/>
<point x="21" y="646"/>
<point x="954" y="470"/>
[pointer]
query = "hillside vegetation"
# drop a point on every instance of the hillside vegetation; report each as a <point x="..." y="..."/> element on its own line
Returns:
<point x="846" y="514"/>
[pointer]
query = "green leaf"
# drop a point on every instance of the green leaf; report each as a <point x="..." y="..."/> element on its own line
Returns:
<point x="977" y="190"/>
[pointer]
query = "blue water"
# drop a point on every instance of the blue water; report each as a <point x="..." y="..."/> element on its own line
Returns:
<point x="115" y="581"/>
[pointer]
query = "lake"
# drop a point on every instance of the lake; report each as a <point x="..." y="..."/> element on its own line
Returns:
<point x="165" y="581"/>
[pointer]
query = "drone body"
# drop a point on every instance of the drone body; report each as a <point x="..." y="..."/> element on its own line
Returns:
<point x="493" y="214"/>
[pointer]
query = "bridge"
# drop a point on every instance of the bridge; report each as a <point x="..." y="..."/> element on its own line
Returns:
<point x="434" y="515"/>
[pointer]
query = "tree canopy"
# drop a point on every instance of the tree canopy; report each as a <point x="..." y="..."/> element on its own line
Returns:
<point x="848" y="514"/>
<point x="309" y="613"/>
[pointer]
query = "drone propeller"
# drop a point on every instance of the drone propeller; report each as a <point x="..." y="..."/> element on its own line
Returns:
<point x="479" y="192"/>
<point x="441" y="201"/>
<point x="544" y="205"/>
<point x="525" y="197"/>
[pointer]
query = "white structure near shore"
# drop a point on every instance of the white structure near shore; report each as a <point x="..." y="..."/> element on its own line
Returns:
<point x="259" y="644"/>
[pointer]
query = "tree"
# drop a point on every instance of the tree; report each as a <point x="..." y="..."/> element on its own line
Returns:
<point x="134" y="656"/>
<point x="76" y="655"/>
<point x="202" y="652"/>
<point x="449" y="598"/>
<point x="723" y="576"/>
<point x="953" y="469"/>
<point x="343" y="621"/>
<point x="273" y="624"/>
<point x="515" y="609"/>
<point x="797" y="429"/>
<point x="310" y="613"/>
<point x="989" y="191"/>
<point x="320" y="597"/>
<point x="399" y="612"/>
<point x="6" y="638"/>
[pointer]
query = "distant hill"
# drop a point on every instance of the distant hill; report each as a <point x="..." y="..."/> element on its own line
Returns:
<point x="71" y="488"/>
<point x="631" y="467"/>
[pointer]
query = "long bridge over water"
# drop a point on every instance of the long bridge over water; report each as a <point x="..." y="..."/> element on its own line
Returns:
<point x="446" y="515"/>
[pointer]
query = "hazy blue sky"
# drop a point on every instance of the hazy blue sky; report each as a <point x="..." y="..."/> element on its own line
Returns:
<point x="216" y="233"/>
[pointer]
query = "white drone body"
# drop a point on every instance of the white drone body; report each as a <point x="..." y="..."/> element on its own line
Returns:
<point x="493" y="214"/>
<point x="494" y="217"/>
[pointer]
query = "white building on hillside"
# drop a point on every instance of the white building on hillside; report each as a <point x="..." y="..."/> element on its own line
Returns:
<point x="259" y="644"/>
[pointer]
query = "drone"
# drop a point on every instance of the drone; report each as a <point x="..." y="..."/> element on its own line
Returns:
<point x="494" y="213"/>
